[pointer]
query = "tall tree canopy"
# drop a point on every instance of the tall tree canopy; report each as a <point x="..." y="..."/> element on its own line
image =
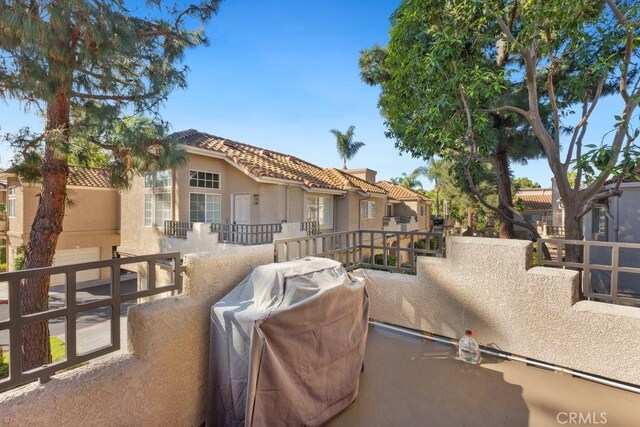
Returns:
<point x="346" y="146"/>
<point x="403" y="92"/>
<point x="84" y="66"/>
<point x="442" y="89"/>
<point x="412" y="180"/>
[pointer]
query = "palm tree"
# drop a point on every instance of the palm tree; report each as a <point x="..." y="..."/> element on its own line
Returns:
<point x="347" y="147"/>
<point x="411" y="181"/>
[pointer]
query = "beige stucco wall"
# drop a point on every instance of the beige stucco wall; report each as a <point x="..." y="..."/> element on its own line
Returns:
<point x="92" y="219"/>
<point x="347" y="212"/>
<point x="161" y="381"/>
<point x="488" y="285"/>
<point x="483" y="284"/>
<point x="276" y="203"/>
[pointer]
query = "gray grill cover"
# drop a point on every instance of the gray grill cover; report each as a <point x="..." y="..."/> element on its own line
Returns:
<point x="287" y="345"/>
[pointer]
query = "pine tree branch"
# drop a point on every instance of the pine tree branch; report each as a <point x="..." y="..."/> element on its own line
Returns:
<point x="119" y="98"/>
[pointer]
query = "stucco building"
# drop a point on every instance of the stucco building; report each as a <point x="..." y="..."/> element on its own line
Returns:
<point x="91" y="225"/>
<point x="228" y="182"/>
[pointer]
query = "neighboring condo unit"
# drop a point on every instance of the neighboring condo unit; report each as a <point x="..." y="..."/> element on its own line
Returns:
<point x="227" y="182"/>
<point x="406" y="207"/>
<point x="91" y="225"/>
<point x="615" y="218"/>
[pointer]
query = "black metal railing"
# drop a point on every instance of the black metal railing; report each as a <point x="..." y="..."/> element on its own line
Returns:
<point x="177" y="228"/>
<point x="311" y="227"/>
<point x="403" y="219"/>
<point x="609" y="270"/>
<point x="72" y="308"/>
<point x="246" y="234"/>
<point x="394" y="251"/>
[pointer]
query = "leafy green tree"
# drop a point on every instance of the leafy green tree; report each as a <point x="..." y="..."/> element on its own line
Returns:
<point x="347" y="147"/>
<point x="563" y="57"/>
<point x="85" y="66"/>
<point x="524" y="182"/>
<point x="463" y="207"/>
<point x="405" y="93"/>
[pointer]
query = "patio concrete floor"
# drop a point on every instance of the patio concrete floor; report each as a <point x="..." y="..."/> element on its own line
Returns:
<point x="410" y="381"/>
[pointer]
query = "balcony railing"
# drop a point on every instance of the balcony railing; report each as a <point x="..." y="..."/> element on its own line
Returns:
<point x="379" y="249"/>
<point x="609" y="270"/>
<point x="311" y="227"/>
<point x="72" y="308"/>
<point x="403" y="219"/>
<point x="177" y="228"/>
<point x="246" y="234"/>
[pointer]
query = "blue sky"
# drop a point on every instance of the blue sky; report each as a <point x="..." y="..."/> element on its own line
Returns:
<point x="281" y="74"/>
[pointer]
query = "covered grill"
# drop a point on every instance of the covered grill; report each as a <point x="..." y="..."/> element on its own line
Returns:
<point x="287" y="345"/>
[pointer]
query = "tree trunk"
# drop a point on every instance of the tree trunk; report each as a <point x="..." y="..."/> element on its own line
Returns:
<point x="470" y="223"/>
<point x="46" y="227"/>
<point x="573" y="229"/>
<point x="505" y="199"/>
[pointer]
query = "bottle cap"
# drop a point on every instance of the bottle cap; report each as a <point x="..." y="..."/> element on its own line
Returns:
<point x="470" y="332"/>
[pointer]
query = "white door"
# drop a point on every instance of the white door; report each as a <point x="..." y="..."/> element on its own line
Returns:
<point x="241" y="209"/>
<point x="76" y="256"/>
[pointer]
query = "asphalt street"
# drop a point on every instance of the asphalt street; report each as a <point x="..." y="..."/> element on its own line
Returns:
<point x="94" y="321"/>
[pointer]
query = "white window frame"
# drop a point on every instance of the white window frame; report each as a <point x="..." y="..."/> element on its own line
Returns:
<point x="599" y="221"/>
<point x="213" y="181"/>
<point x="148" y="209"/>
<point x="325" y="222"/>
<point x="11" y="202"/>
<point x="368" y="212"/>
<point x="168" y="217"/>
<point x="389" y="210"/>
<point x="150" y="219"/>
<point x="213" y="196"/>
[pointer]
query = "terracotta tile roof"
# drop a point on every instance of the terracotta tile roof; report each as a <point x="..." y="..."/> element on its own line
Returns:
<point x="346" y="180"/>
<point x="89" y="177"/>
<point x="81" y="176"/>
<point x="399" y="192"/>
<point x="260" y="162"/>
<point x="535" y="202"/>
<point x="263" y="163"/>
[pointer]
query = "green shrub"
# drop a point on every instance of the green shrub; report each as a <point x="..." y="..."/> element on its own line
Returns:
<point x="3" y="254"/>
<point x="18" y="261"/>
<point x="421" y="244"/>
<point x="3" y="267"/>
<point x="391" y="260"/>
<point x="4" y="364"/>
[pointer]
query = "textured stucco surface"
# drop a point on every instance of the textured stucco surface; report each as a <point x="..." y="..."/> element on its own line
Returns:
<point x="484" y="284"/>
<point x="162" y="378"/>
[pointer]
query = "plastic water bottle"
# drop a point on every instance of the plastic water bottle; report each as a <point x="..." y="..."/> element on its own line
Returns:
<point x="468" y="348"/>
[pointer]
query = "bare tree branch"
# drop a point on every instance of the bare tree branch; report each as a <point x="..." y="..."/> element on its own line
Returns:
<point x="583" y="123"/>
<point x="504" y="108"/>
<point x="619" y="138"/>
<point x="617" y="13"/>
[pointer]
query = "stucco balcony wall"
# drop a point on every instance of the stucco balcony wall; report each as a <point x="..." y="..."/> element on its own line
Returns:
<point x="489" y="285"/>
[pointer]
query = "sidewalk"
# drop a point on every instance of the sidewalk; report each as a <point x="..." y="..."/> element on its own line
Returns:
<point x="4" y="286"/>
